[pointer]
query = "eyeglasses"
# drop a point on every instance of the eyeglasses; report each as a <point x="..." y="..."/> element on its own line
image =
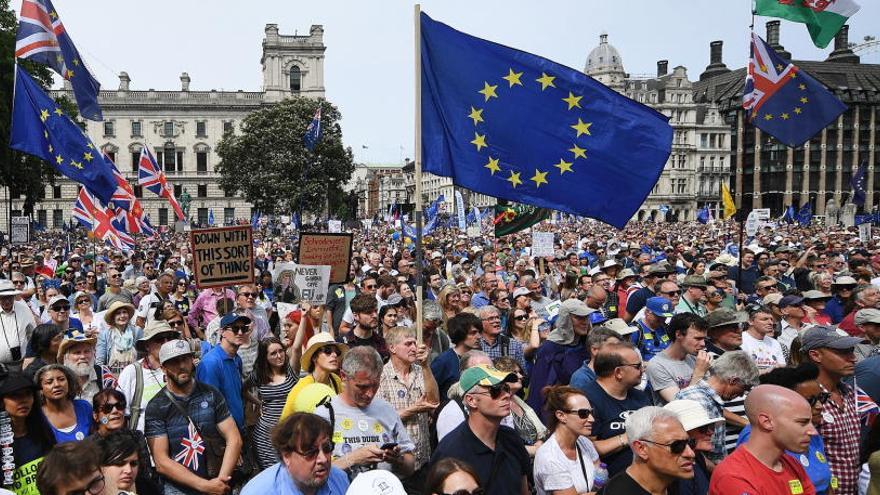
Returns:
<point x="772" y="288"/>
<point x="521" y="317"/>
<point x="496" y="391"/>
<point x="326" y="447"/>
<point x="175" y="323"/>
<point x="637" y="366"/>
<point x="581" y="413"/>
<point x="84" y="301"/>
<point x="247" y="294"/>
<point x="476" y="491"/>
<point x="95" y="487"/>
<point x="821" y="398"/>
<point x="820" y="266"/>
<point x="672" y="293"/>
<point x="240" y="329"/>
<point x="18" y="282"/>
<point x="330" y="349"/>
<point x="676" y="447"/>
<point x="108" y="407"/>
<point x="60" y="309"/>
<point x="370" y="287"/>
<point x="115" y="275"/>
<point x="491" y="318"/>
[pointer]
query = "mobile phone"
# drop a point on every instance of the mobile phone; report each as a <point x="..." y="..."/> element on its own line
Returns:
<point x="388" y="446"/>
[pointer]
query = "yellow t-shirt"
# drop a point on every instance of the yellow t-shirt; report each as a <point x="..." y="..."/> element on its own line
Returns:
<point x="301" y="384"/>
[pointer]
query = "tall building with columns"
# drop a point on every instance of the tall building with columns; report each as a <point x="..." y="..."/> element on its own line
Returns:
<point x="182" y="128"/>
<point x="769" y="174"/>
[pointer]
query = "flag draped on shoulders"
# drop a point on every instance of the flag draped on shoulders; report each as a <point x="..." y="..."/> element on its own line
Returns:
<point x="784" y="101"/>
<point x="43" y="38"/>
<point x="42" y="129"/>
<point x="823" y="18"/>
<point x="516" y="126"/>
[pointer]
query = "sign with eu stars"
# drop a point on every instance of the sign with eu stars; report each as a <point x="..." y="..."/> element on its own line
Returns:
<point x="516" y="126"/>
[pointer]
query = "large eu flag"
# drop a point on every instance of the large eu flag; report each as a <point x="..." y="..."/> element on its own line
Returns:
<point x="516" y="126"/>
<point x="783" y="100"/>
<point x="41" y="129"/>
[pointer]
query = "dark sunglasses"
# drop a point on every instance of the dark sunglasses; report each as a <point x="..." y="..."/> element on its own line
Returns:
<point x="59" y="309"/>
<point x="108" y="407"/>
<point x="496" y="391"/>
<point x="330" y="349"/>
<point x="240" y="329"/>
<point x="115" y="275"/>
<point x="821" y="397"/>
<point x="18" y="282"/>
<point x="176" y="323"/>
<point x="672" y="293"/>
<point x="476" y="491"/>
<point x="247" y="294"/>
<point x="581" y="413"/>
<point x="521" y="317"/>
<point x="676" y="447"/>
<point x="326" y="447"/>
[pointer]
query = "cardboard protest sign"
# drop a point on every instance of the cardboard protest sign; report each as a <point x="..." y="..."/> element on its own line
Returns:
<point x="20" y="233"/>
<point x="313" y="281"/>
<point x="542" y="244"/>
<point x="223" y="256"/>
<point x="333" y="250"/>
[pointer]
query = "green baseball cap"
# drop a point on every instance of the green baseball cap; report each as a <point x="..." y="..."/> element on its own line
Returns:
<point x="484" y="375"/>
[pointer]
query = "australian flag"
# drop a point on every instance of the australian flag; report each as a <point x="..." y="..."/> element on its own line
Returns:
<point x="858" y="186"/>
<point x="516" y="126"/>
<point x="42" y="38"/>
<point x="41" y="129"/>
<point x="783" y="100"/>
<point x="313" y="131"/>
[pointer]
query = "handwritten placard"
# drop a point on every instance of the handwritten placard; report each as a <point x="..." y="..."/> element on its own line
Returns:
<point x="333" y="250"/>
<point x="223" y="256"/>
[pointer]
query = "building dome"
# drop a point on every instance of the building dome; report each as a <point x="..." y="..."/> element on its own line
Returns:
<point x="604" y="57"/>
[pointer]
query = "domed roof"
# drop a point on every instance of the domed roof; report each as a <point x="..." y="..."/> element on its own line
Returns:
<point x="603" y="58"/>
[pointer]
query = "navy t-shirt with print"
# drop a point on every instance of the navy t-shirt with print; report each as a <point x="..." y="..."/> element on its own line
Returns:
<point x="610" y="417"/>
<point x="206" y="406"/>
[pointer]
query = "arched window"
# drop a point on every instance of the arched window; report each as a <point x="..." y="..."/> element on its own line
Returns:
<point x="295" y="79"/>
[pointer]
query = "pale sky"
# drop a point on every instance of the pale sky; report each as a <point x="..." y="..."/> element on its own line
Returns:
<point x="369" y="58"/>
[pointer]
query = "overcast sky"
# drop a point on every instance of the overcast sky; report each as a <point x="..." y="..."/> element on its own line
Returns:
<point x="369" y="57"/>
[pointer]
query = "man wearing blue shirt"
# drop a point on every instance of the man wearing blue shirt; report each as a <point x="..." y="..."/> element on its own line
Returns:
<point x="221" y="366"/>
<point x="464" y="332"/>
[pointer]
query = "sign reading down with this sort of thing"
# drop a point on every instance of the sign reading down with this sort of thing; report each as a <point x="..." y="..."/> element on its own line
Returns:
<point x="223" y="256"/>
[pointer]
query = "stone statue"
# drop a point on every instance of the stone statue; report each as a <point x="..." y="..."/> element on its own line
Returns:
<point x="185" y="200"/>
<point x="832" y="213"/>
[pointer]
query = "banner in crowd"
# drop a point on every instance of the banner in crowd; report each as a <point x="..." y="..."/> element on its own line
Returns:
<point x="333" y="250"/>
<point x="21" y="230"/>
<point x="223" y="256"/>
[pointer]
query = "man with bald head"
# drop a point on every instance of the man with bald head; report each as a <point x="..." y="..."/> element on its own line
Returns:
<point x="781" y="420"/>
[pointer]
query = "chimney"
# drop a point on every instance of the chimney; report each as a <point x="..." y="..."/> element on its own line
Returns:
<point x="773" y="39"/>
<point x="716" y="64"/>
<point x="316" y="32"/>
<point x="662" y="65"/>
<point x="842" y="53"/>
<point x="124" y="81"/>
<point x="184" y="81"/>
<point x="271" y="32"/>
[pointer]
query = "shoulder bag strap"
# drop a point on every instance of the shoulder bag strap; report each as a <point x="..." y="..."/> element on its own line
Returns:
<point x="135" y="405"/>
<point x="581" y="459"/>
<point x="182" y="411"/>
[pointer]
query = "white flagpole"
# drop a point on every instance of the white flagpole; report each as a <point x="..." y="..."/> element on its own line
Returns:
<point x="417" y="39"/>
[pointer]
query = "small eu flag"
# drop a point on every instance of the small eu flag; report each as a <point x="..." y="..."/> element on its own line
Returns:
<point x="313" y="131"/>
<point x="703" y="215"/>
<point x="783" y="100"/>
<point x="516" y="126"/>
<point x="805" y="216"/>
<point x="41" y="129"/>
<point x="858" y="185"/>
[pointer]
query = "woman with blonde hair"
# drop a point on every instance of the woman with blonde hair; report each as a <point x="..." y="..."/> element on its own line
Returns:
<point x="450" y="300"/>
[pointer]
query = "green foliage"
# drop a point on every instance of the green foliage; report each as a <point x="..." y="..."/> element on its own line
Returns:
<point x="269" y="165"/>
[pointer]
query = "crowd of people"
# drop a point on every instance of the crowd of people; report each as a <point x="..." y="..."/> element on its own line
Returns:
<point x="660" y="359"/>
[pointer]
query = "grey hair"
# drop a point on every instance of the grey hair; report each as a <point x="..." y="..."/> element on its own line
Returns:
<point x="640" y="424"/>
<point x="464" y="361"/>
<point x="73" y="386"/>
<point x="13" y="274"/>
<point x="362" y="358"/>
<point x="487" y="309"/>
<point x="525" y="280"/>
<point x="431" y="311"/>
<point x="859" y="292"/>
<point x="736" y="365"/>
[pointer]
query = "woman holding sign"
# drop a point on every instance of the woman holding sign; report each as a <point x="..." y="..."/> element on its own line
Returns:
<point x="30" y="438"/>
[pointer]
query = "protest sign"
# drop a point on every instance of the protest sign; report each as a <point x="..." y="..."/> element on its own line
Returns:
<point x="865" y="232"/>
<point x="313" y="281"/>
<point x="223" y="256"/>
<point x="334" y="226"/>
<point x="542" y="244"/>
<point x="20" y="233"/>
<point x="333" y="250"/>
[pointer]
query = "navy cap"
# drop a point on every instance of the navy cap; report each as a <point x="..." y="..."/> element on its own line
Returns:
<point x="660" y="306"/>
<point x="232" y="317"/>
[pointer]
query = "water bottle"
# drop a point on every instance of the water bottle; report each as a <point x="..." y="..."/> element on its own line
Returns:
<point x="600" y="478"/>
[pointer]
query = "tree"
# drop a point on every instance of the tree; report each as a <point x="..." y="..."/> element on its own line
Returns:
<point x="270" y="166"/>
<point x="21" y="173"/>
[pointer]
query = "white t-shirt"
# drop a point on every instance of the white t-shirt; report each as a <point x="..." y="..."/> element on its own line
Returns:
<point x="767" y="353"/>
<point x="555" y="471"/>
<point x="154" y="380"/>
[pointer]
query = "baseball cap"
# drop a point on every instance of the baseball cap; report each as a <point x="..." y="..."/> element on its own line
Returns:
<point x="576" y="307"/>
<point x="820" y="336"/>
<point x="723" y="317"/>
<point x="626" y="273"/>
<point x="815" y="295"/>
<point x="867" y="315"/>
<point x="56" y="299"/>
<point x="436" y="254"/>
<point x="520" y="291"/>
<point x="772" y="299"/>
<point x="232" y="317"/>
<point x="15" y="381"/>
<point x="619" y="326"/>
<point x="844" y="280"/>
<point x="790" y="300"/>
<point x="691" y="414"/>
<point x="173" y="349"/>
<point x="660" y="306"/>
<point x="484" y="375"/>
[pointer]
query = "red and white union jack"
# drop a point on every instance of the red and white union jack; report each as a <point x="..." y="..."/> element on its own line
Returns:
<point x="99" y="219"/>
<point x="193" y="447"/>
<point x="764" y="77"/>
<point x="153" y="178"/>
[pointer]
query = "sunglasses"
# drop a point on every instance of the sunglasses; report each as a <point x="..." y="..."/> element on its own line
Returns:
<point x="496" y="391"/>
<point x="326" y="447"/>
<point x="581" y="413"/>
<point x="247" y="294"/>
<point x="676" y="447"/>
<point x="60" y="309"/>
<point x="108" y="407"/>
<point x="115" y="275"/>
<point x="707" y="429"/>
<point x="521" y="317"/>
<point x="821" y="398"/>
<point x="672" y="293"/>
<point x="175" y="323"/>
<point x="240" y="329"/>
<point x="330" y="349"/>
<point x="83" y="301"/>
<point x="18" y="282"/>
<point x="476" y="491"/>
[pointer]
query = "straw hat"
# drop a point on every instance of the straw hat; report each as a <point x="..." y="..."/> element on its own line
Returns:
<point x="72" y="337"/>
<point x="315" y="343"/>
<point x="110" y="314"/>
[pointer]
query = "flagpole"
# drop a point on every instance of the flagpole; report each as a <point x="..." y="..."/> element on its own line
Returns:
<point x="417" y="50"/>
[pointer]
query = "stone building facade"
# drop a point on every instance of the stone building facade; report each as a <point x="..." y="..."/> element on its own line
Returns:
<point x="182" y="128"/>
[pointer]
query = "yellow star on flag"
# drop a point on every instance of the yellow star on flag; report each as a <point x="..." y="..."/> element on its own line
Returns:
<point x="479" y="141"/>
<point x="546" y="81"/>
<point x="513" y="77"/>
<point x="578" y="152"/>
<point x="53" y="15"/>
<point x="76" y="164"/>
<point x="59" y="159"/>
<point x="76" y="62"/>
<point x="514" y="179"/>
<point x="44" y="115"/>
<point x="804" y="99"/>
<point x="793" y="75"/>
<point x="493" y="165"/>
<point x="563" y="166"/>
<point x="46" y="134"/>
<point x="90" y="145"/>
<point x="476" y="115"/>
<point x="779" y="67"/>
<point x="768" y="116"/>
<point x="87" y="156"/>
<point x="69" y="74"/>
<point x="488" y="91"/>
<point x="573" y="101"/>
<point x="58" y="112"/>
<point x="763" y="68"/>
<point x="797" y="110"/>
<point x="582" y="127"/>
<point x="785" y="116"/>
<point x="802" y="87"/>
<point x="539" y="178"/>
<point x="51" y="149"/>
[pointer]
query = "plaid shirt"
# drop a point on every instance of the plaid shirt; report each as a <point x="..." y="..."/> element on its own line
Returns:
<point x="513" y="349"/>
<point x="401" y="396"/>
<point x="714" y="407"/>
<point x="840" y="431"/>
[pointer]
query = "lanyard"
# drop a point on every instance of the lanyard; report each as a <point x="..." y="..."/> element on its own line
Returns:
<point x="583" y="467"/>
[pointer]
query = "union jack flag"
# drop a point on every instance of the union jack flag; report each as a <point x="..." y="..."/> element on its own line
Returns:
<point x="130" y="215"/>
<point x="866" y="408"/>
<point x="153" y="178"/>
<point x="108" y="379"/>
<point x="192" y="447"/>
<point x="99" y="219"/>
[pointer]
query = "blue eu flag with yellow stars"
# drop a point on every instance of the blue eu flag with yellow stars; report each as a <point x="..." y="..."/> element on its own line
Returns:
<point x="41" y="129"/>
<point x="516" y="126"/>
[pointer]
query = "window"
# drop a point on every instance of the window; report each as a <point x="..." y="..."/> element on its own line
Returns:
<point x="201" y="129"/>
<point x="14" y="194"/>
<point x="57" y="219"/>
<point x="180" y="161"/>
<point x="227" y="127"/>
<point x="163" y="216"/>
<point x="228" y="194"/>
<point x="178" y="190"/>
<point x="139" y="191"/>
<point x="169" y="159"/>
<point x="108" y="128"/>
<point x="202" y="216"/>
<point x="704" y="140"/>
<point x="202" y="191"/>
<point x="295" y="79"/>
<point x="136" y="128"/>
<point x="201" y="161"/>
<point x="42" y="217"/>
<point x="168" y="130"/>
<point x="228" y="215"/>
<point x="56" y="192"/>
<point x="135" y="160"/>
